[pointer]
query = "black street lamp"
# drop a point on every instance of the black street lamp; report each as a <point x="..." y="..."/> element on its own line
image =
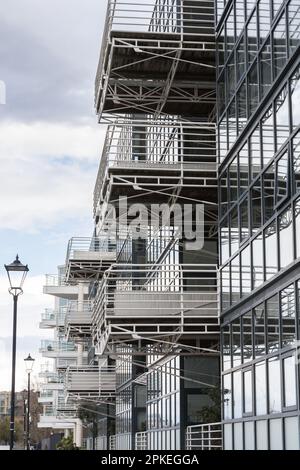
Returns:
<point x="29" y="361"/>
<point x="17" y="273"/>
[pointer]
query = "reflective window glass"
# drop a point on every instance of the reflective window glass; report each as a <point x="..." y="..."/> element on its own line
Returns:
<point x="247" y="329"/>
<point x="288" y="316"/>
<point x="295" y="93"/>
<point x="279" y="46"/>
<point x="253" y="88"/>
<point x="289" y="371"/>
<point x="296" y="160"/>
<point x="246" y="271"/>
<point x="274" y="385"/>
<point x="259" y="330"/>
<point x="236" y="342"/>
<point x="257" y="261"/>
<point x="248" y="396"/>
<point x="269" y="192"/>
<point x="293" y="25"/>
<point x="282" y="117"/>
<point x="260" y="389"/>
<point x="286" y="238"/>
<point x="271" y="250"/>
<point x="273" y="324"/>
<point x="227" y="396"/>
<point x="237" y="395"/>
<point x="235" y="279"/>
<point x="268" y="136"/>
<point x="266" y="68"/>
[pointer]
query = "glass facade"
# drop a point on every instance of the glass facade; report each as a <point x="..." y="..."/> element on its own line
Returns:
<point x="259" y="230"/>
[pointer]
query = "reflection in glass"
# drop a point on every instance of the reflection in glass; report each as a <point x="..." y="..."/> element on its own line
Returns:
<point x="255" y="156"/>
<point x="297" y="227"/>
<point x="256" y="206"/>
<point x="259" y="331"/>
<point x="227" y="396"/>
<point x="224" y="192"/>
<point x="235" y="279"/>
<point x="244" y="223"/>
<point x="244" y="168"/>
<point x="224" y="241"/>
<point x="226" y="348"/>
<point x="264" y="19"/>
<point x="296" y="160"/>
<point x="286" y="238"/>
<point x="230" y="36"/>
<point x="266" y="68"/>
<point x="225" y="273"/>
<point x="257" y="257"/>
<point x="246" y="270"/>
<point x="282" y="175"/>
<point x="282" y="117"/>
<point x="236" y="342"/>
<point x="268" y="144"/>
<point x="273" y="325"/>
<point x="260" y="389"/>
<point x="295" y="92"/>
<point x="247" y="337"/>
<point x="234" y="230"/>
<point x="274" y="385"/>
<point x="279" y="46"/>
<point x="240" y="59"/>
<point x="242" y="107"/>
<point x="270" y="237"/>
<point x="289" y="371"/>
<point x="233" y="180"/>
<point x="269" y="192"/>
<point x="230" y="78"/>
<point x="294" y="21"/>
<point x="237" y="394"/>
<point x="252" y="39"/>
<point x="253" y="88"/>
<point x="248" y="397"/>
<point x="223" y="140"/>
<point x="288" y="316"/>
<point x="232" y="127"/>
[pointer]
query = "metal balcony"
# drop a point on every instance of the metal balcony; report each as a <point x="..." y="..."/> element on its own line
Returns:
<point x="53" y="318"/>
<point x="154" y="301"/>
<point x="55" y="349"/>
<point x="157" y="57"/>
<point x="46" y="396"/>
<point x="204" y="437"/>
<point x="92" y="382"/>
<point x="141" y="441"/>
<point x="148" y="158"/>
<point x="87" y="258"/>
<point x="57" y="286"/>
<point x="78" y="320"/>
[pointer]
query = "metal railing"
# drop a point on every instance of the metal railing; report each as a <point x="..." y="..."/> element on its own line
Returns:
<point x="57" y="346"/>
<point x="54" y="280"/>
<point x="165" y="145"/>
<point x="112" y="442"/>
<point x="85" y="248"/>
<point x="78" y="313"/>
<point x="204" y="437"/>
<point x="90" y="380"/>
<point x="55" y="317"/>
<point x="141" y="441"/>
<point x="170" y="290"/>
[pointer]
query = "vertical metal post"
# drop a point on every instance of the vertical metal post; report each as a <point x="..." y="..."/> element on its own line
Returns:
<point x="28" y="413"/>
<point x="13" y="377"/>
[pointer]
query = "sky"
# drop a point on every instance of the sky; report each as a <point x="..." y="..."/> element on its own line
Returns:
<point x="50" y="145"/>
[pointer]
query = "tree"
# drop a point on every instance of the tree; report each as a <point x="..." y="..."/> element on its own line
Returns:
<point x="87" y="412"/>
<point x="4" y="430"/>
<point x="66" y="443"/>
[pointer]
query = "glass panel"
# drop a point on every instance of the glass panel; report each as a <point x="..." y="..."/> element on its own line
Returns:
<point x="240" y="59"/>
<point x="274" y="385"/>
<point x="223" y="140"/>
<point x="220" y="45"/>
<point x="224" y="241"/>
<point x="262" y="435"/>
<point x="226" y="348"/>
<point x="268" y="137"/>
<point x="227" y="396"/>
<point x="236" y="342"/>
<point x="260" y="389"/>
<point x="273" y="324"/>
<point x="240" y="16"/>
<point x="276" y="5"/>
<point x="256" y="206"/>
<point x="294" y="21"/>
<point x="276" y="442"/>
<point x="249" y="435"/>
<point x="225" y="287"/>
<point x="246" y="270"/>
<point x="279" y="46"/>
<point x="266" y="68"/>
<point x="282" y="177"/>
<point x="286" y="238"/>
<point x="282" y="117"/>
<point x="230" y="35"/>
<point x="295" y="92"/>
<point x="296" y="160"/>
<point x="244" y="223"/>
<point x="253" y="88"/>
<point x="288" y="316"/>
<point x="264" y="19"/>
<point x="238" y="436"/>
<point x="248" y="397"/>
<point x="221" y="95"/>
<point x="233" y="180"/>
<point x="234" y="231"/>
<point x="252" y="39"/>
<point x="244" y="168"/>
<point x="232" y="128"/>
<point x="242" y="107"/>
<point x="259" y="331"/>
<point x="271" y="249"/>
<point x="230" y="78"/>
<point x="269" y="192"/>
<point x="257" y="260"/>
<point x="228" y="437"/>
<point x="289" y="371"/>
<point x="224" y="193"/>
<point x="247" y="337"/>
<point x="297" y="224"/>
<point x="237" y="400"/>
<point x="235" y="279"/>
<point x="291" y="428"/>
<point x="255" y="156"/>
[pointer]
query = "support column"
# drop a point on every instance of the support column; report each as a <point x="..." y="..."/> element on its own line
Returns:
<point x="78" y="433"/>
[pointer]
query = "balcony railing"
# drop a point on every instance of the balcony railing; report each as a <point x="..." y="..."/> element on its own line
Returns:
<point x="90" y="381"/>
<point x="79" y="314"/>
<point x="53" y="280"/>
<point x="57" y="346"/>
<point x="112" y="442"/>
<point x="141" y="441"/>
<point x="145" y="299"/>
<point x="50" y="317"/>
<point x="204" y="437"/>
<point x="166" y="149"/>
<point x="86" y="257"/>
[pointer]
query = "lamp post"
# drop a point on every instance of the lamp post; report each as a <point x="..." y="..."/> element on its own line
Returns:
<point x="16" y="273"/>
<point x="29" y="361"/>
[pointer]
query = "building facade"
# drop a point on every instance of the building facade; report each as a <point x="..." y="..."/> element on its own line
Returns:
<point x="259" y="232"/>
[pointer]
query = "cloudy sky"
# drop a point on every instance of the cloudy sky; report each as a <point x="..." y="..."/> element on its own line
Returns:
<point x="50" y="145"/>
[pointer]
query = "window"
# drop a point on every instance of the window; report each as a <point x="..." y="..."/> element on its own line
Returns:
<point x="246" y="271"/>
<point x="264" y="19"/>
<point x="224" y="192"/>
<point x="273" y="325"/>
<point x="295" y="92"/>
<point x="279" y="46"/>
<point x="232" y="123"/>
<point x="225" y="287"/>
<point x="253" y="88"/>
<point x="274" y="385"/>
<point x="223" y="139"/>
<point x="259" y="331"/>
<point x="297" y="228"/>
<point x="257" y="261"/>
<point x="233" y="180"/>
<point x="268" y="144"/>
<point x="242" y="107"/>
<point x="296" y="161"/>
<point x="288" y="316"/>
<point x="244" y="222"/>
<point x="282" y="117"/>
<point x="226" y="347"/>
<point x="234" y="230"/>
<point x="230" y="78"/>
<point x="260" y="389"/>
<point x="289" y="371"/>
<point x="240" y="59"/>
<point x="236" y="342"/>
<point x="269" y="192"/>
<point x="224" y="241"/>
<point x="244" y="168"/>
<point x="252" y="39"/>
<point x="237" y="397"/>
<point x="265" y="69"/>
<point x="282" y="175"/>
<point x="270" y="237"/>
<point x="235" y="279"/>
<point x="248" y="395"/>
<point x="254" y="145"/>
<point x="227" y="396"/>
<point x="230" y="33"/>
<point x="293" y="25"/>
<point x="286" y="238"/>
<point x="256" y="206"/>
<point x="247" y="337"/>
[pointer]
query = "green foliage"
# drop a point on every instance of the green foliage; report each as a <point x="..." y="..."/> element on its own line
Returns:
<point x="4" y="430"/>
<point x="212" y="413"/>
<point x="66" y="443"/>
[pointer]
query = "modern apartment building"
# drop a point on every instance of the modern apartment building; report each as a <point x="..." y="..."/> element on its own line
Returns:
<point x="259" y="221"/>
<point x="196" y="231"/>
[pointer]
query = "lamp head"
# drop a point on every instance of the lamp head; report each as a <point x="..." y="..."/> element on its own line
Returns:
<point x="16" y="272"/>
